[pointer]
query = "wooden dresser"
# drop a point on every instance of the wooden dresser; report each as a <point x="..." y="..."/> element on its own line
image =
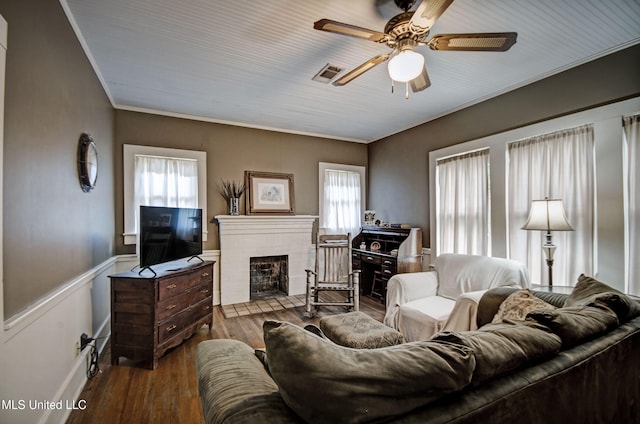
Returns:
<point x="379" y="253"/>
<point x="153" y="313"/>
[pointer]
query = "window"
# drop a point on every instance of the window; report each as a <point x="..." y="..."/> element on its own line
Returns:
<point x="631" y="127"/>
<point x="463" y="210"/>
<point x="163" y="181"/>
<point x="341" y="189"/>
<point x="161" y="177"/>
<point x="559" y="165"/>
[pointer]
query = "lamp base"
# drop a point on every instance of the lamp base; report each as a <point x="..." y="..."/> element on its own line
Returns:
<point x="550" y="268"/>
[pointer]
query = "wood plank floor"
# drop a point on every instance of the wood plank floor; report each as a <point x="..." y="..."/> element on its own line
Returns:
<point x="169" y="394"/>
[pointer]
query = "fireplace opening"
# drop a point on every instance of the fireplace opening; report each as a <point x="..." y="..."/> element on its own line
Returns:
<point x="268" y="277"/>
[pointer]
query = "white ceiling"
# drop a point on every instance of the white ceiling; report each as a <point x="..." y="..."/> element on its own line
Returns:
<point x="250" y="63"/>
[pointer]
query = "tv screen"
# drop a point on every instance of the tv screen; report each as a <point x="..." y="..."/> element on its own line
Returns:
<point x="167" y="234"/>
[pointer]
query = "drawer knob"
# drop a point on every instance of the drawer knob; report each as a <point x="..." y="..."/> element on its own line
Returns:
<point x="171" y="327"/>
<point x="205" y="274"/>
<point x="205" y="291"/>
<point x="386" y="271"/>
<point x="369" y="258"/>
<point x="171" y="286"/>
<point x="170" y="307"/>
<point x="388" y="262"/>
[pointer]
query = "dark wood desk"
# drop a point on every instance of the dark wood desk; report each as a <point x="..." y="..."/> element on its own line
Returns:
<point x="400" y="250"/>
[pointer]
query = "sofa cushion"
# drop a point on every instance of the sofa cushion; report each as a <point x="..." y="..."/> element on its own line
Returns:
<point x="576" y="324"/>
<point x="517" y="305"/>
<point x="589" y="290"/>
<point x="500" y="348"/>
<point x="327" y="383"/>
<point x="234" y="387"/>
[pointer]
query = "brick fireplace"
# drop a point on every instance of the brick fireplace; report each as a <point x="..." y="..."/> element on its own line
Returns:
<point x="243" y="237"/>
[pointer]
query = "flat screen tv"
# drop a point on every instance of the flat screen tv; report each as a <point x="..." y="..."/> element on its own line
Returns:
<point x="168" y="234"/>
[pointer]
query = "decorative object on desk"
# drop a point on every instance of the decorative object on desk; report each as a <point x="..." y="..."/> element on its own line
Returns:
<point x="375" y="246"/>
<point x="269" y="193"/>
<point x="363" y="246"/>
<point x="548" y="215"/>
<point x="232" y="191"/>
<point x="369" y="217"/>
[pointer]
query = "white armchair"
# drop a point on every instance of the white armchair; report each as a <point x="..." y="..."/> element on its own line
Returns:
<point x="420" y="304"/>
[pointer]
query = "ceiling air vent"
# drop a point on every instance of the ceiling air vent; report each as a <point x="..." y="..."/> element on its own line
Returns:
<point x="327" y="73"/>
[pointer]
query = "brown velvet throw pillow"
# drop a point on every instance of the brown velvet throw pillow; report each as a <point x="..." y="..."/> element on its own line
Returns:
<point x="589" y="290"/>
<point x="500" y="348"/>
<point x="327" y="383"/>
<point x="577" y="324"/>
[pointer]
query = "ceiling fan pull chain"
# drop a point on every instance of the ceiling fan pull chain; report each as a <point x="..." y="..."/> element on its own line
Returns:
<point x="406" y="92"/>
<point x="391" y="86"/>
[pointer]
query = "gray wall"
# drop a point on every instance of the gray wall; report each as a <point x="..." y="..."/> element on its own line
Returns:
<point x="230" y="151"/>
<point x="398" y="165"/>
<point x="52" y="230"/>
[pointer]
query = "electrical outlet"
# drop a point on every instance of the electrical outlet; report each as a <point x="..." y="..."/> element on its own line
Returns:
<point x="76" y="348"/>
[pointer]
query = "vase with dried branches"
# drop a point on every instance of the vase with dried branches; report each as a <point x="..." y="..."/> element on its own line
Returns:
<point x="232" y="191"/>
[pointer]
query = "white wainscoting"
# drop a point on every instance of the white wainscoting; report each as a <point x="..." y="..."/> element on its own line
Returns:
<point x="37" y="358"/>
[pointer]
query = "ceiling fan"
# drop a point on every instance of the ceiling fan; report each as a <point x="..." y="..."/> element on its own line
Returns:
<point x="408" y="30"/>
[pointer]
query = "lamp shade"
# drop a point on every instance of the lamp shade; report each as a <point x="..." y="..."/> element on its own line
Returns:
<point x="405" y="66"/>
<point x="547" y="215"/>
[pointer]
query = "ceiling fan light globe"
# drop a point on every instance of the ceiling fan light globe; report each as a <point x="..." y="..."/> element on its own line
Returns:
<point x="406" y="66"/>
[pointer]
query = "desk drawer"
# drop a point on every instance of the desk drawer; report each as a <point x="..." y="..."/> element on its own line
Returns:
<point x="372" y="259"/>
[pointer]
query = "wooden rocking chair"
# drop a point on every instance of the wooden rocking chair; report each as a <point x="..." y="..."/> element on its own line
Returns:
<point x="333" y="273"/>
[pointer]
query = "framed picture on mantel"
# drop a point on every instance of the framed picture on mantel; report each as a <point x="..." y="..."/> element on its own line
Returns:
<point x="269" y="193"/>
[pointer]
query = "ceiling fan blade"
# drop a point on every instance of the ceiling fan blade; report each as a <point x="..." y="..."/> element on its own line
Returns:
<point x="421" y="82"/>
<point x="359" y="70"/>
<point x="483" y="42"/>
<point x="350" y="30"/>
<point x="427" y="14"/>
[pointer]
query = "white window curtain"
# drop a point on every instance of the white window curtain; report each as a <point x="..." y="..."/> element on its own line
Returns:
<point x="463" y="217"/>
<point x="631" y="127"/>
<point x="560" y="165"/>
<point x="164" y="181"/>
<point x="341" y="207"/>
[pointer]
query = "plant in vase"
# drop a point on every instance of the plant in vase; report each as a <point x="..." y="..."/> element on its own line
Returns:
<point x="232" y="191"/>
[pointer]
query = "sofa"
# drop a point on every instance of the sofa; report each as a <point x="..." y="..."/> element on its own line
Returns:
<point x="536" y="357"/>
<point x="420" y="304"/>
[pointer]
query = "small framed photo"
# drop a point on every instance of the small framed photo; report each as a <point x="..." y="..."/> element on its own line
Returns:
<point x="269" y="193"/>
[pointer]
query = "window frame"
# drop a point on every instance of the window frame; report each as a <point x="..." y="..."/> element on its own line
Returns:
<point x="129" y="152"/>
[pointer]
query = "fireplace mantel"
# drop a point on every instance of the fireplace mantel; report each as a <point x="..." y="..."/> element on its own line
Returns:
<point x="242" y="224"/>
<point x="245" y="236"/>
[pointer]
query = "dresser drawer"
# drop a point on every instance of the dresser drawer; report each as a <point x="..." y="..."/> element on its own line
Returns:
<point x="172" y="326"/>
<point x="175" y="304"/>
<point x="205" y="273"/>
<point x="201" y="309"/>
<point x="170" y="287"/>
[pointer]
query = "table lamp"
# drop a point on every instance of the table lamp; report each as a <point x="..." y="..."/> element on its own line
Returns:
<point x="547" y="215"/>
